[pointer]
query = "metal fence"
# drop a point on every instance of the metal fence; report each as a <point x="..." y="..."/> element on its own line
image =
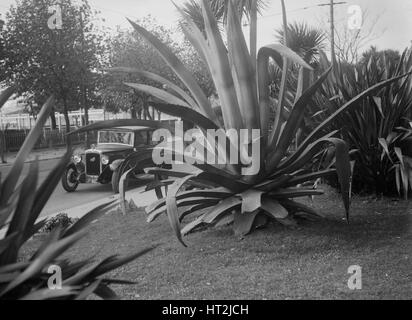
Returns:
<point x="49" y="139"/>
<point x="16" y="128"/>
<point x="25" y="121"/>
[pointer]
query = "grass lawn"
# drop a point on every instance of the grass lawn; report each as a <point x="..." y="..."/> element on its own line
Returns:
<point x="311" y="261"/>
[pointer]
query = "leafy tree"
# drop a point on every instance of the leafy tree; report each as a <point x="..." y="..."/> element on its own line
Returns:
<point x="373" y="53"/>
<point x="349" y="43"/>
<point x="127" y="50"/>
<point x="43" y="59"/>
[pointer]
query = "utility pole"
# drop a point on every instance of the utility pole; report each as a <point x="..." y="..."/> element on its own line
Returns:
<point x="332" y="5"/>
<point x="332" y="33"/>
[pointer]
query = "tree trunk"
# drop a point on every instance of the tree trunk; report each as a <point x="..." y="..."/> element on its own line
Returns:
<point x="86" y="108"/>
<point x="67" y="121"/>
<point x="133" y="112"/>
<point x="53" y="120"/>
<point x="86" y="116"/>
<point x="3" y="146"/>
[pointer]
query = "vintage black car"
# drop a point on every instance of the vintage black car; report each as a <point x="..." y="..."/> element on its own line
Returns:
<point x="117" y="151"/>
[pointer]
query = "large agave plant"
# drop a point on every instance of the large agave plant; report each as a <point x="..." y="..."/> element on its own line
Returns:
<point x="220" y="194"/>
<point x="20" y="206"/>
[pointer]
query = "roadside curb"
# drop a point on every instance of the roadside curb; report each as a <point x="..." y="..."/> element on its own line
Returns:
<point x="5" y="165"/>
<point x="141" y="199"/>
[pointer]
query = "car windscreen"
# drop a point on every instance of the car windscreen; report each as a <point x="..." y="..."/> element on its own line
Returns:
<point x="116" y="137"/>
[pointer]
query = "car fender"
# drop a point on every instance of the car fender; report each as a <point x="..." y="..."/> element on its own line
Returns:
<point x="72" y="165"/>
<point x="116" y="164"/>
<point x="80" y="167"/>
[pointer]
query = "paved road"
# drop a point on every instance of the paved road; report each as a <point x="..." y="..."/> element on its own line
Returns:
<point x="88" y="196"/>
<point x="60" y="200"/>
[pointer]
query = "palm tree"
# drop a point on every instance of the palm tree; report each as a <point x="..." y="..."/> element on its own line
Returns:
<point x="248" y="8"/>
<point x="305" y="40"/>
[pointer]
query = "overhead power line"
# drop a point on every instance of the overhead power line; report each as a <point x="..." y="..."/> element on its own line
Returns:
<point x="296" y="10"/>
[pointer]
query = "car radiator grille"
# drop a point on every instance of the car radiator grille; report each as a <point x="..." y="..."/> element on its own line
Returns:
<point x="93" y="164"/>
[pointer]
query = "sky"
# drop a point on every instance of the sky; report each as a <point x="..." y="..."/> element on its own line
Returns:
<point x="393" y="18"/>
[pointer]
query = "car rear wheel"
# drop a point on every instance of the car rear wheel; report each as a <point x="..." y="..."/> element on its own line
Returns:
<point x="70" y="180"/>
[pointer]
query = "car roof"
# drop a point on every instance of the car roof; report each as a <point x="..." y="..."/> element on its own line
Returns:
<point x="134" y="128"/>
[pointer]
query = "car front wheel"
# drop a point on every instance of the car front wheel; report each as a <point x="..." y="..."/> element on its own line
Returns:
<point x="117" y="174"/>
<point x="70" y="180"/>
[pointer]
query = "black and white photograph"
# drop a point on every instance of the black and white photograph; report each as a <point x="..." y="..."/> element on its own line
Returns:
<point x="205" y="155"/>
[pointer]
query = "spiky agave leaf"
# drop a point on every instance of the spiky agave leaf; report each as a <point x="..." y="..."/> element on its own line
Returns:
<point x="279" y="54"/>
<point x="180" y="71"/>
<point x="108" y="124"/>
<point x="122" y="191"/>
<point x="172" y="208"/>
<point x="160" y="94"/>
<point x="163" y="81"/>
<point x="243" y="71"/>
<point x="5" y="95"/>
<point x="223" y="80"/>
<point x="186" y="114"/>
<point x="293" y="123"/>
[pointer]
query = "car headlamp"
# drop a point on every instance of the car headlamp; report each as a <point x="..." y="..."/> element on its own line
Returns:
<point x="105" y="160"/>
<point x="77" y="159"/>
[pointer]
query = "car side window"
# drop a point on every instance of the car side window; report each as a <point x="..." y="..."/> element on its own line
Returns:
<point x="104" y="136"/>
<point x="141" y="138"/>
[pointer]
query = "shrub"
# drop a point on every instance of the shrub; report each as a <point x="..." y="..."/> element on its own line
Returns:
<point x="20" y="207"/>
<point x="62" y="220"/>
<point x="378" y="128"/>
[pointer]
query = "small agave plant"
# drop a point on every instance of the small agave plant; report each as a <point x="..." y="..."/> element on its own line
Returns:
<point x="26" y="278"/>
<point x="220" y="195"/>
